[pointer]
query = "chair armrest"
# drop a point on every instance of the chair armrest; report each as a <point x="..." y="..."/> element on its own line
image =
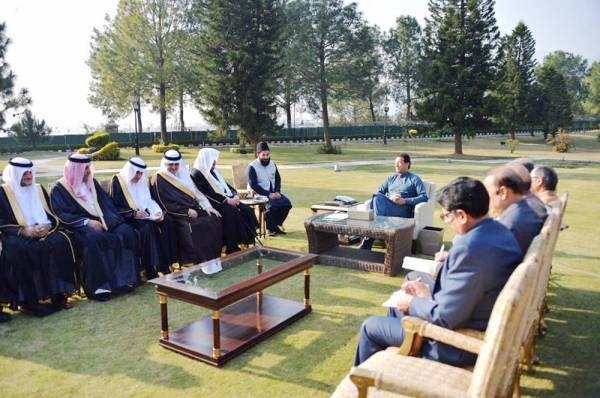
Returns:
<point x="416" y="329"/>
<point x="423" y="216"/>
<point x="478" y="334"/>
<point x="364" y="378"/>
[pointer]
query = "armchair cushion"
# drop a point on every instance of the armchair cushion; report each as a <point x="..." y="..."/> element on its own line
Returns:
<point x="406" y="375"/>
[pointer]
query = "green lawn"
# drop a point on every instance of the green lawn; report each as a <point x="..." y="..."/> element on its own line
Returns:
<point x="110" y="349"/>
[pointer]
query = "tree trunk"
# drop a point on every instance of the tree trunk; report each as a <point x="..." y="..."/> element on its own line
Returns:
<point x="458" y="142"/>
<point x="288" y="113"/>
<point x="408" y="101"/>
<point x="181" y="121"/>
<point x="372" y="109"/>
<point x="323" y="89"/>
<point x="163" y="113"/>
<point x="139" y="116"/>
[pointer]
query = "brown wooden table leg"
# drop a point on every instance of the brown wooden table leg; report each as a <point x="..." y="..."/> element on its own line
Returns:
<point x="164" y="318"/>
<point x="216" y="321"/>
<point x="307" y="288"/>
<point x="261" y="220"/>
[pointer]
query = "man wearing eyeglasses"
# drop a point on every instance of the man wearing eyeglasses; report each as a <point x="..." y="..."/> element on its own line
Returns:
<point x="483" y="256"/>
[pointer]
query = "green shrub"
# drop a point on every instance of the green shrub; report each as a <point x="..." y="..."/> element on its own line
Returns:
<point x="561" y="141"/>
<point x="85" y="150"/>
<point x="97" y="139"/>
<point x="159" y="148"/>
<point x="237" y="149"/>
<point x="332" y="150"/>
<point x="109" y="151"/>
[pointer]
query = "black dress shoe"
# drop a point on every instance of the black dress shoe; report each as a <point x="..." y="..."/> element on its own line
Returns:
<point x="101" y="296"/>
<point x="366" y="244"/>
<point x="280" y="231"/>
<point x="272" y="232"/>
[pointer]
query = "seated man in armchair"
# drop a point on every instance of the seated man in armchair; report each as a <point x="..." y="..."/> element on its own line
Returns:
<point x="478" y="265"/>
<point x="398" y="195"/>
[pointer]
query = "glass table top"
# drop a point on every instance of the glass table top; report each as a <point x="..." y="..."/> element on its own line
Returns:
<point x="236" y="269"/>
<point x="381" y="222"/>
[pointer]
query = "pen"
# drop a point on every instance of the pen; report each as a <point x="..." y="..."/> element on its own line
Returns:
<point x="442" y="248"/>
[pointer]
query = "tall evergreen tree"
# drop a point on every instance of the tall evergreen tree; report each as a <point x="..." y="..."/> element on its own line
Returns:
<point x="326" y="33"/>
<point x="9" y="101"/>
<point x="573" y="68"/>
<point x="592" y="81"/>
<point x="290" y="78"/>
<point x="30" y="131"/>
<point x="237" y="56"/>
<point x="460" y="38"/>
<point x="403" y="55"/>
<point x="139" y="53"/>
<point x="515" y="78"/>
<point x="364" y="70"/>
<point x="554" y="101"/>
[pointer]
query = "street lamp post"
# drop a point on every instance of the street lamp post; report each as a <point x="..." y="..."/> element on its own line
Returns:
<point x="136" y="112"/>
<point x="385" y="109"/>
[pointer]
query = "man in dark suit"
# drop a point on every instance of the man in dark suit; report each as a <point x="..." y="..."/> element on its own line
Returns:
<point x="508" y="188"/>
<point x="483" y="256"/>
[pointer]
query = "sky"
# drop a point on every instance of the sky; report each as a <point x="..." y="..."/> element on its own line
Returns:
<point x="51" y="43"/>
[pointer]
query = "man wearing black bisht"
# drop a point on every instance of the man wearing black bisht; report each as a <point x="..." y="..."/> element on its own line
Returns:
<point x="197" y="225"/>
<point x="265" y="180"/>
<point x="239" y="220"/>
<point x="130" y="191"/>
<point x="38" y="256"/>
<point x="107" y="244"/>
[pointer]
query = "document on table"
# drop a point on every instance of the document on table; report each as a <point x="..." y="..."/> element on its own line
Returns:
<point x="394" y="298"/>
<point x="336" y="216"/>
<point x="418" y="264"/>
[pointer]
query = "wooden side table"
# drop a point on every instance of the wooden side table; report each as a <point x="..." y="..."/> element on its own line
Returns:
<point x="259" y="205"/>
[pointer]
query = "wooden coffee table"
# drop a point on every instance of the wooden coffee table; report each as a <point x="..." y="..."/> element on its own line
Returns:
<point x="241" y="314"/>
<point x="322" y="231"/>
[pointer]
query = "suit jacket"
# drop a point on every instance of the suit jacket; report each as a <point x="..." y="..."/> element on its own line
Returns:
<point x="523" y="221"/>
<point x="476" y="269"/>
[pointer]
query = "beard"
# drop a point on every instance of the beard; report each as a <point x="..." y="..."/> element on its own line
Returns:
<point x="265" y="162"/>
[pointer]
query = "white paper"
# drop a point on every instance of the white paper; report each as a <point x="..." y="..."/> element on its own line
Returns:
<point x="418" y="264"/>
<point x="211" y="266"/>
<point x="336" y="216"/>
<point x="394" y="298"/>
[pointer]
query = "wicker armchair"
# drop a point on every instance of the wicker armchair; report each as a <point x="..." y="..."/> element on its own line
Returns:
<point x="390" y="374"/>
<point x="240" y="180"/>
<point x="423" y="211"/>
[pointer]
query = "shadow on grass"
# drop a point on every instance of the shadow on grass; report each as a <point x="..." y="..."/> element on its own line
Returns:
<point x="119" y="338"/>
<point x="568" y="352"/>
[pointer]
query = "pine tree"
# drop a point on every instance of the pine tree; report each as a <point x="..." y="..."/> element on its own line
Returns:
<point x="326" y="32"/>
<point x="460" y="38"/>
<point x="514" y="89"/>
<point x="554" y="101"/>
<point x="8" y="100"/>
<point x="139" y="53"/>
<point x="403" y="54"/>
<point x="29" y="131"/>
<point x="237" y="59"/>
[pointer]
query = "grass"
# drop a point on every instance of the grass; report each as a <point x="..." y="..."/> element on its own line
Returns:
<point x="110" y="349"/>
